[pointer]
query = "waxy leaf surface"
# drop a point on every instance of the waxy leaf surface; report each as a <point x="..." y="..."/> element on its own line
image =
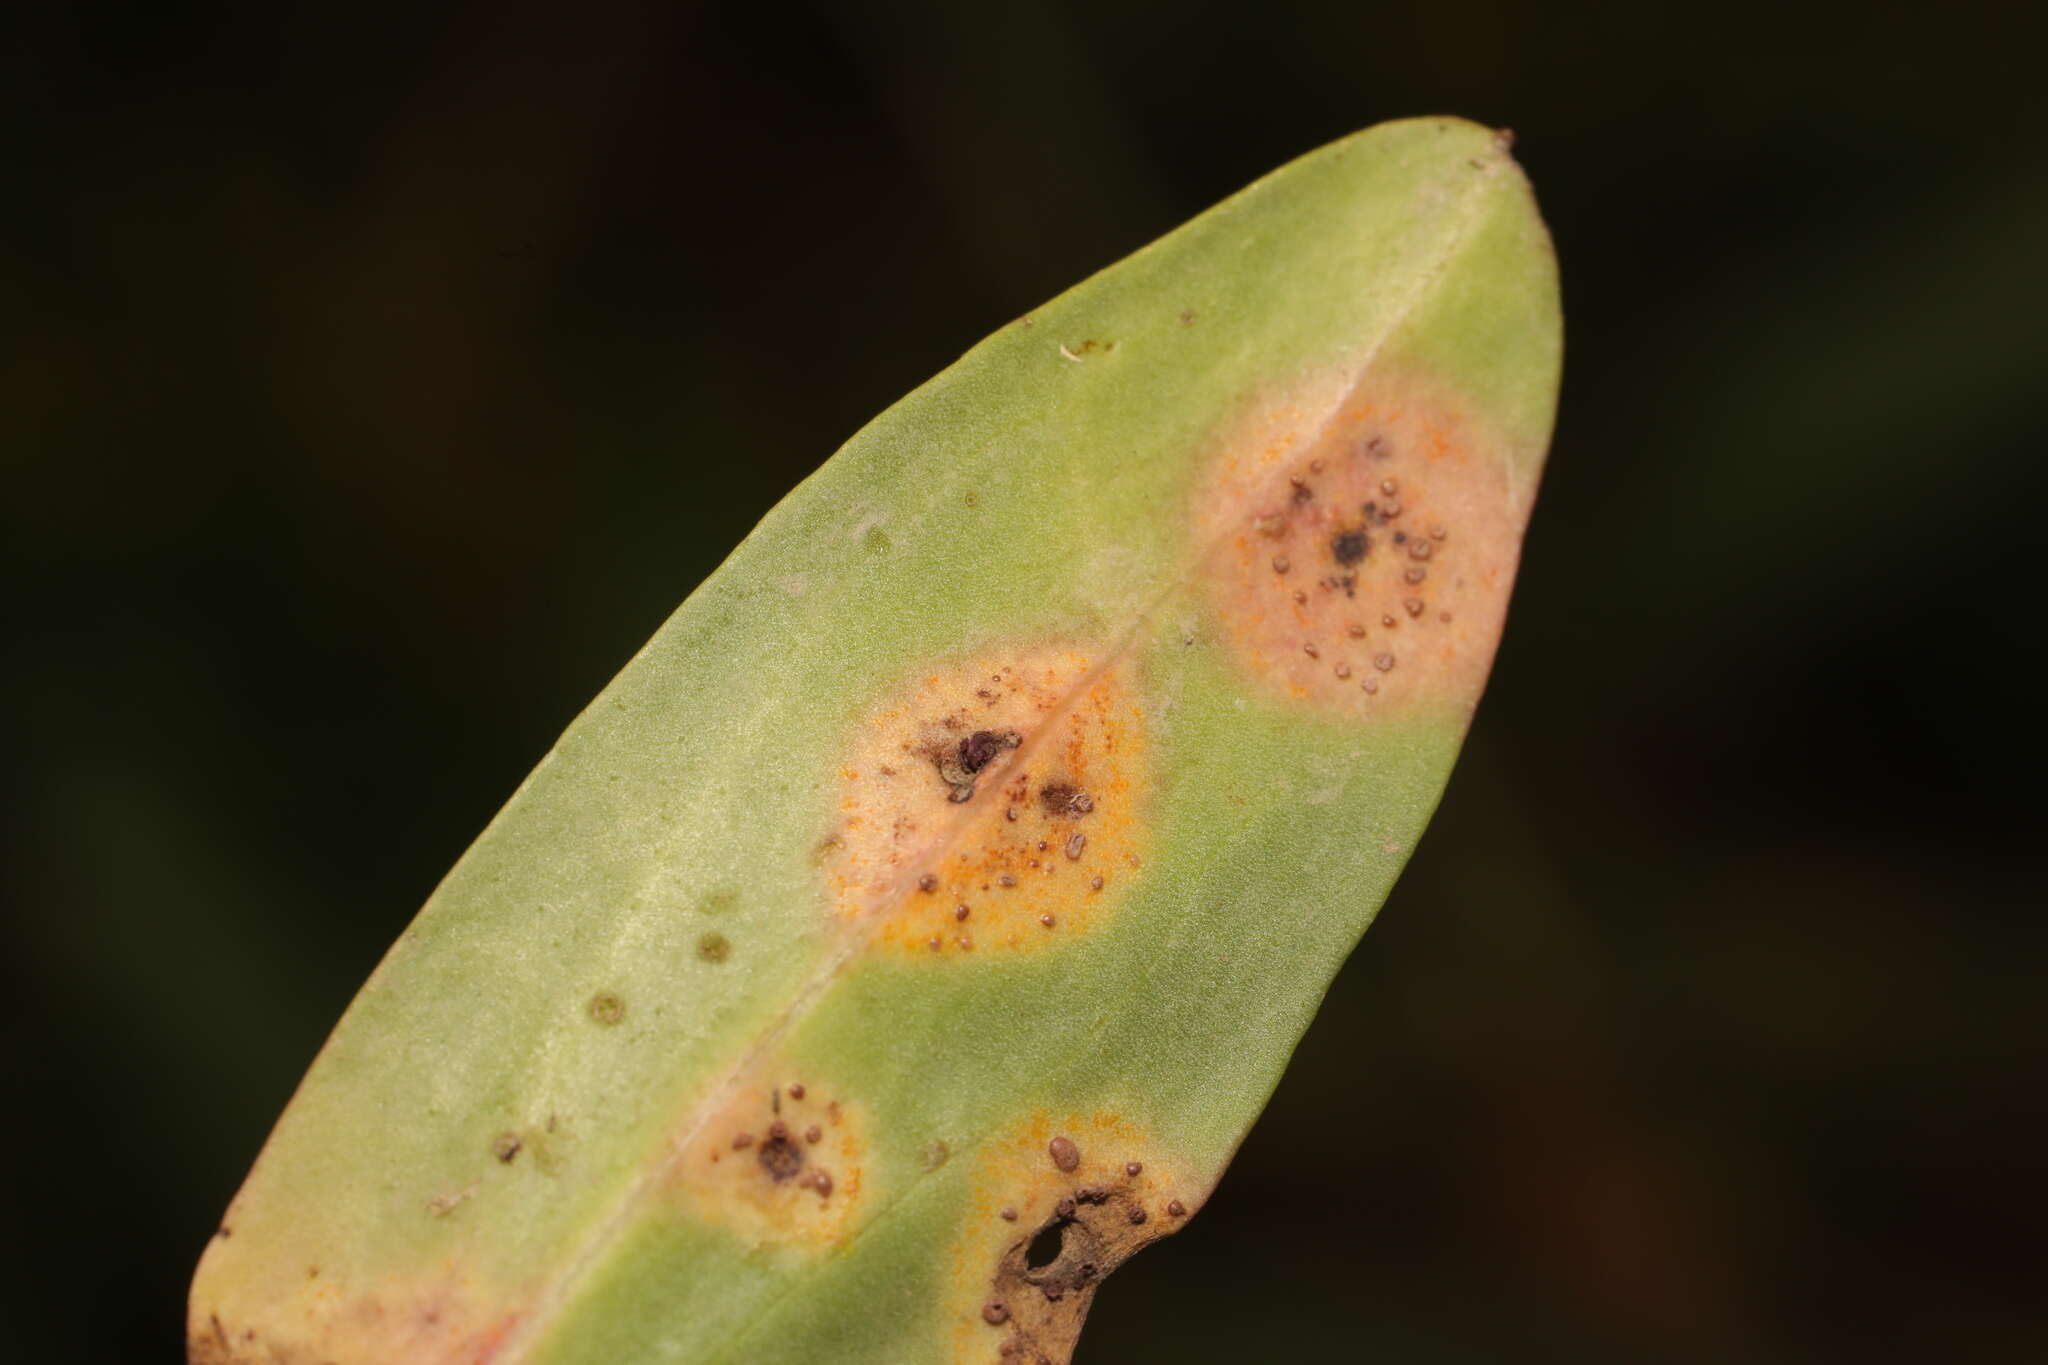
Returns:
<point x="914" y="928"/>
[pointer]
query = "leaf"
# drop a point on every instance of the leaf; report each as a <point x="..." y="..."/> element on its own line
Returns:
<point x="913" y="929"/>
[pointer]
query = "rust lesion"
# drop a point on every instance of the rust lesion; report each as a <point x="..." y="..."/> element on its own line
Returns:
<point x="782" y="1160"/>
<point x="1364" y="543"/>
<point x="1057" y="1205"/>
<point x="997" y="804"/>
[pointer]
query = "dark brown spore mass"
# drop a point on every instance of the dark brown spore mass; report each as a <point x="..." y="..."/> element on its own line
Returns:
<point x="1063" y="799"/>
<point x="978" y="748"/>
<point x="1349" y="546"/>
<point x="780" y="1157"/>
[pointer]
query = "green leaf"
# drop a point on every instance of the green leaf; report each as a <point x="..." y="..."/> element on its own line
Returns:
<point x="914" y="928"/>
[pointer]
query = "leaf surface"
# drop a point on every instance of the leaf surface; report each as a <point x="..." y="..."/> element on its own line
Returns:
<point x="916" y="925"/>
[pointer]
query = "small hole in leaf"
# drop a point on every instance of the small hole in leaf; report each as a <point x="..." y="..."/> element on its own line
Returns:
<point x="1046" y="1247"/>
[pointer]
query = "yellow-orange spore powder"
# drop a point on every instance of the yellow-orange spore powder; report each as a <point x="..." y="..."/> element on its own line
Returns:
<point x="993" y="806"/>
<point x="1363" y="551"/>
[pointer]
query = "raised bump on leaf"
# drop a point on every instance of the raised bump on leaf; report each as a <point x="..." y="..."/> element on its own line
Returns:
<point x="1011" y="785"/>
<point x="1365" y="552"/>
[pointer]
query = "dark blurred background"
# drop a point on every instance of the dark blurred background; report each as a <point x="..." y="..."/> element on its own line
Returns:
<point x="374" y="378"/>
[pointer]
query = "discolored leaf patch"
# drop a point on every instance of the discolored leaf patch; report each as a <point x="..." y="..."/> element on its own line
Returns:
<point x="1057" y="1204"/>
<point x="781" y="1162"/>
<point x="1366" y="548"/>
<point x="435" y="1322"/>
<point x="993" y="805"/>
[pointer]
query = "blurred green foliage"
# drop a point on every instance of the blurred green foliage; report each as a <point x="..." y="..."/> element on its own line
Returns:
<point x="373" y="379"/>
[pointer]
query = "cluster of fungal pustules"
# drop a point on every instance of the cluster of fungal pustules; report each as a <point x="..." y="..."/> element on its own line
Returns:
<point x="785" y="1146"/>
<point x="992" y="807"/>
<point x="1108" y="1210"/>
<point x="778" y="1161"/>
<point x="1054" y="811"/>
<point x="1364" y="567"/>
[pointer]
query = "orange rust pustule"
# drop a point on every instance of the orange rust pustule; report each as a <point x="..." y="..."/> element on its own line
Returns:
<point x="1364" y="549"/>
<point x="995" y="806"/>
<point x="1055" y="1207"/>
<point x="781" y="1162"/>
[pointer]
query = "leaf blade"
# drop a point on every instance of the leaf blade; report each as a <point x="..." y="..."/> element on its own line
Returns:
<point x="1040" y="495"/>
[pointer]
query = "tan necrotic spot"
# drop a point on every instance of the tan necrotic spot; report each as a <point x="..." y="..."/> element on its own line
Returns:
<point x="780" y="1162"/>
<point x="1383" y="589"/>
<point x="1005" y="793"/>
<point x="1056" y="1205"/>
